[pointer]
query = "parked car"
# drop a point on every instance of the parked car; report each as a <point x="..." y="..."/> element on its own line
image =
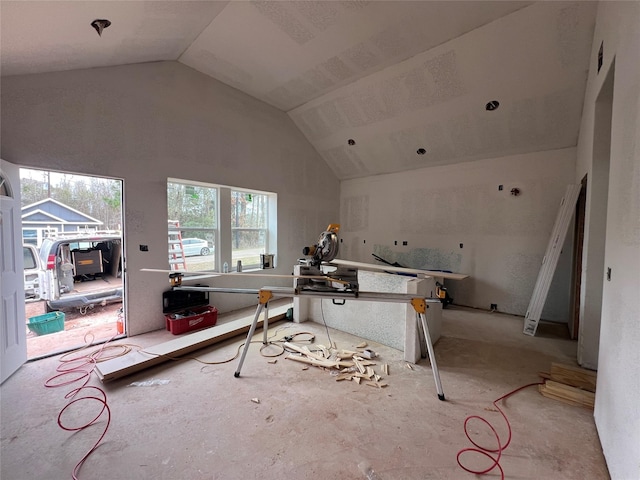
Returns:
<point x="31" y="272"/>
<point x="195" y="246"/>
<point x="80" y="270"/>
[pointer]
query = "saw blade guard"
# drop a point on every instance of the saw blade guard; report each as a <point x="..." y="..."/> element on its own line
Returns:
<point x="327" y="247"/>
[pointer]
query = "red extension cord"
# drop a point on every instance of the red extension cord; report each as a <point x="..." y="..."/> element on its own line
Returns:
<point x="72" y="371"/>
<point x="487" y="452"/>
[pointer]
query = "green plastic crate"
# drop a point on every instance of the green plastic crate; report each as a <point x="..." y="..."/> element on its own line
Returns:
<point x="47" y="323"/>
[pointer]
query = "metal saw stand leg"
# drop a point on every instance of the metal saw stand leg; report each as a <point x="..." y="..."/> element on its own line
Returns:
<point x="420" y="306"/>
<point x="263" y="296"/>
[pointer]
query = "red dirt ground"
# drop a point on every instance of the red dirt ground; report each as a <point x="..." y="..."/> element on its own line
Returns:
<point x="98" y="324"/>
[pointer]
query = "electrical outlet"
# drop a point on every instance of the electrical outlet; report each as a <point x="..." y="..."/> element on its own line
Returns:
<point x="144" y="248"/>
<point x="494" y="307"/>
<point x="405" y="243"/>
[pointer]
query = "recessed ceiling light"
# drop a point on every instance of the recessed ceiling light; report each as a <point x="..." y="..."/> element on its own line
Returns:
<point x="492" y="105"/>
<point x="351" y="141"/>
<point x="421" y="151"/>
<point x="100" y="24"/>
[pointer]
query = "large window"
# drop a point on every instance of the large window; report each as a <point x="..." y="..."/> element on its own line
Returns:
<point x="210" y="225"/>
<point x="249" y="222"/>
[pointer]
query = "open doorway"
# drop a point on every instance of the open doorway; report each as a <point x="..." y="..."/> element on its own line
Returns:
<point x="74" y="289"/>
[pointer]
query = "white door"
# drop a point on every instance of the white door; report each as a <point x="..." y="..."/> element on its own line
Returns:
<point x="13" y="332"/>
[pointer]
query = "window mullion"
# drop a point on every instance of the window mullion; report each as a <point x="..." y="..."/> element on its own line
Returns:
<point x="224" y="229"/>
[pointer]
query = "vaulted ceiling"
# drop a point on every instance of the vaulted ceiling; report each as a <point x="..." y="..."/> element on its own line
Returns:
<point x="376" y="86"/>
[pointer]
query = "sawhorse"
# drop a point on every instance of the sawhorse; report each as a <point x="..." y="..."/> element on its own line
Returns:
<point x="419" y="305"/>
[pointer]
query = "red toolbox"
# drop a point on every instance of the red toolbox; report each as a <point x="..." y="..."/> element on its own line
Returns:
<point x="186" y="311"/>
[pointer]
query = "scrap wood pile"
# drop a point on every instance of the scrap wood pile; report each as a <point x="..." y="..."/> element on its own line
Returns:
<point x="569" y="384"/>
<point x="344" y="364"/>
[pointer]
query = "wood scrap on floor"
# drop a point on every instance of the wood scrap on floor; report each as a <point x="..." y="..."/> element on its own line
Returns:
<point x="574" y="376"/>
<point x="345" y="365"/>
<point x="569" y="384"/>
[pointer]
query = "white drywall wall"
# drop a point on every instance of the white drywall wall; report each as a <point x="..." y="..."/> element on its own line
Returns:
<point x="610" y="337"/>
<point x="147" y="122"/>
<point x="436" y="209"/>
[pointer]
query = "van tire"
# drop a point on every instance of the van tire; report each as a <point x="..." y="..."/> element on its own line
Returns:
<point x="48" y="309"/>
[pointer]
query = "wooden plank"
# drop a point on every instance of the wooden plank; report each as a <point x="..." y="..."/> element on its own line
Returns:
<point x="389" y="268"/>
<point x="359" y="365"/>
<point x="547" y="393"/>
<point x="574" y="376"/>
<point x="583" y="397"/>
<point x="313" y="361"/>
<point x="303" y="350"/>
<point x="136" y="361"/>
<point x="561" y="397"/>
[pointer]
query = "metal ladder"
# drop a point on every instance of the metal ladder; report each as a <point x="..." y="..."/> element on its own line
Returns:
<point x="177" y="260"/>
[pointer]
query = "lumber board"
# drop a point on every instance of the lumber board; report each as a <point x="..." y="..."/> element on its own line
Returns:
<point x="389" y="268"/>
<point x="574" y="376"/>
<point x="136" y="361"/>
<point x="312" y="361"/>
<point x="548" y="394"/>
<point x="303" y="351"/>
<point x="571" y="394"/>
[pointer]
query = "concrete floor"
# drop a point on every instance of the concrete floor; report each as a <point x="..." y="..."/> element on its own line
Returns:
<point x="203" y="424"/>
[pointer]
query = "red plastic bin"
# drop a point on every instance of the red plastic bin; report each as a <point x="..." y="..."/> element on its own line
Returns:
<point x="197" y="318"/>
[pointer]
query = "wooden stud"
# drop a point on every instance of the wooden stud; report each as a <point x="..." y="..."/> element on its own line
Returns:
<point x="574" y="376"/>
<point x="312" y="361"/>
<point x="303" y="350"/>
<point x="567" y="394"/>
<point x="359" y="365"/>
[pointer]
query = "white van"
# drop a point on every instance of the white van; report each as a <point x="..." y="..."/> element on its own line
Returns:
<point x="80" y="270"/>
<point x="31" y="273"/>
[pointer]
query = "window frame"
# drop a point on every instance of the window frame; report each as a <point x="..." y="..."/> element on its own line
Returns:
<point x="223" y="233"/>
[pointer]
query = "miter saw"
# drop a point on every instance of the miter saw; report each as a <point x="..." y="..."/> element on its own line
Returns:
<point x="328" y="277"/>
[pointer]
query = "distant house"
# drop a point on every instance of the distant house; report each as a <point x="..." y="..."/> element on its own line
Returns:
<point x="48" y="216"/>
